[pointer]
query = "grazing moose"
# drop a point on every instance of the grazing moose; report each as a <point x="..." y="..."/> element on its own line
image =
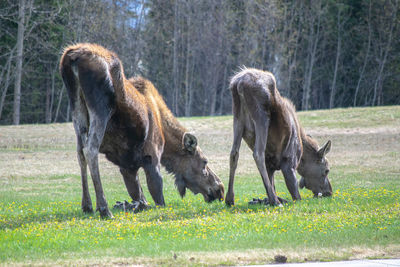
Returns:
<point x="268" y="123"/>
<point x="129" y="122"/>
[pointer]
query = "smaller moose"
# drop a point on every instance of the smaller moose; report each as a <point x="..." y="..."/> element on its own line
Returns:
<point x="269" y="125"/>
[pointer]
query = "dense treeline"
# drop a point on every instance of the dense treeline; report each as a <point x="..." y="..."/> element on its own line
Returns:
<point x="324" y="53"/>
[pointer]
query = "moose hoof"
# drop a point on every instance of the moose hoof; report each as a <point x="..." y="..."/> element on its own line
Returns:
<point x="87" y="209"/>
<point x="105" y="213"/>
<point x="142" y="206"/>
<point x="229" y="202"/>
<point x="266" y="201"/>
<point x="282" y="200"/>
<point x="255" y="201"/>
<point x="276" y="203"/>
<point x="135" y="206"/>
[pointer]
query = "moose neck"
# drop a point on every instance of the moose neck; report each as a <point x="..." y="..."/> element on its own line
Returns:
<point x="304" y="137"/>
<point x="308" y="142"/>
<point x="173" y="135"/>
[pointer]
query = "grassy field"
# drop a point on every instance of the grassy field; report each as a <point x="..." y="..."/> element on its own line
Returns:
<point x="41" y="222"/>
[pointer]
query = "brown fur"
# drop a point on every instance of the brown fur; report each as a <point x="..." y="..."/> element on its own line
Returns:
<point x="269" y="125"/>
<point x="129" y="122"/>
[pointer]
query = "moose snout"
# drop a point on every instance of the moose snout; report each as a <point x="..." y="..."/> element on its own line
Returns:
<point x="328" y="192"/>
<point x="217" y="193"/>
<point x="220" y="192"/>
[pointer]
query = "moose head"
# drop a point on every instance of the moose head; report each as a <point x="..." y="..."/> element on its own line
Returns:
<point x="314" y="168"/>
<point x="195" y="174"/>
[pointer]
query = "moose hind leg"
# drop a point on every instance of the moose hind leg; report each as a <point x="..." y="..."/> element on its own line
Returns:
<point x="86" y="200"/>
<point x="80" y="121"/>
<point x="91" y="151"/>
<point x="233" y="161"/>
<point x="98" y="93"/>
<point x="261" y="121"/>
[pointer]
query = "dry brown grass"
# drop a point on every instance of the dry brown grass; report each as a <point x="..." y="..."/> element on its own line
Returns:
<point x="32" y="150"/>
<point x="49" y="150"/>
<point x="249" y="257"/>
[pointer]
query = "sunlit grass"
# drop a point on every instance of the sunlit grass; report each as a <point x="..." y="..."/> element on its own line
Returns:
<point x="41" y="220"/>
<point x="351" y="217"/>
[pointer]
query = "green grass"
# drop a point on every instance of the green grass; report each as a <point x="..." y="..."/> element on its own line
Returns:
<point x="352" y="117"/>
<point x="41" y="221"/>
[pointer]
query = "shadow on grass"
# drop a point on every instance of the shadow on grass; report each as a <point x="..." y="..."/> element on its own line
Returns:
<point x="177" y="210"/>
<point x="12" y="222"/>
<point x="184" y="211"/>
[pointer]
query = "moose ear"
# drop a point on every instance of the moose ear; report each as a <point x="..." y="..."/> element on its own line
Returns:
<point x="189" y="142"/>
<point x="325" y="149"/>
<point x="302" y="183"/>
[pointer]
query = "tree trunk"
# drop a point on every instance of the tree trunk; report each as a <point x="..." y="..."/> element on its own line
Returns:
<point x="213" y="94"/>
<point x="379" y="80"/>
<point x="338" y="51"/>
<point x="80" y="22"/>
<point x="175" y="59"/>
<point x="7" y="81"/>
<point x="59" y="103"/>
<point x="138" y="30"/>
<point x="48" y="109"/>
<point x="53" y="80"/>
<point x="18" y="70"/>
<point x="213" y="86"/>
<point x="224" y="87"/>
<point x="365" y="58"/>
<point x="190" y="87"/>
<point x="50" y="97"/>
<point x="293" y="61"/>
<point x="312" y="56"/>
<point x="187" y="70"/>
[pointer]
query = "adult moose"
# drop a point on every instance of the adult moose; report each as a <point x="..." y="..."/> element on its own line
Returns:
<point x="129" y="122"/>
<point x="268" y="124"/>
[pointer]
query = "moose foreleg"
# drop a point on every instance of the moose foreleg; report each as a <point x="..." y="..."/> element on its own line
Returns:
<point x="155" y="183"/>
<point x="290" y="179"/>
<point x="132" y="183"/>
<point x="271" y="173"/>
<point x="261" y="127"/>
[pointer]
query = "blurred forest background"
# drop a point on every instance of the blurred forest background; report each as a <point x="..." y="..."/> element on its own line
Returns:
<point x="324" y="53"/>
